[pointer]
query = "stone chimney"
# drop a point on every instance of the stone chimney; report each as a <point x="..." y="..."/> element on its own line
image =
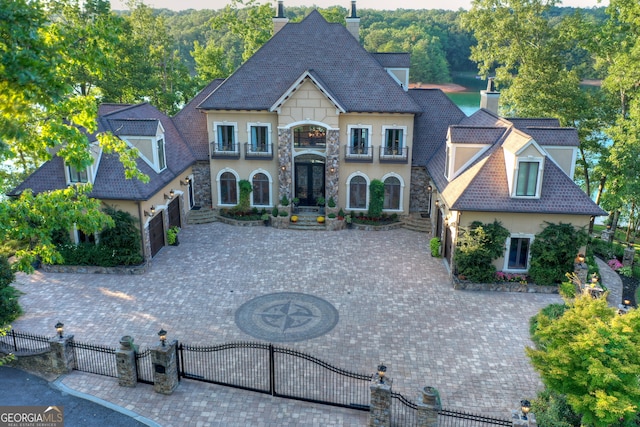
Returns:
<point x="353" y="22"/>
<point x="279" y="20"/>
<point x="490" y="98"/>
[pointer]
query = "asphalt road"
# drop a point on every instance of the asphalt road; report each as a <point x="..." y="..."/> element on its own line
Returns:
<point x="19" y="388"/>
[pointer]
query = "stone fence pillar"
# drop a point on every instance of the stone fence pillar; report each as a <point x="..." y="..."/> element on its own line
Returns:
<point x="380" y="409"/>
<point x="428" y="408"/>
<point x="165" y="368"/>
<point x="126" y="363"/>
<point x="63" y="359"/>
<point x="607" y="235"/>
<point x="581" y="269"/>
<point x="627" y="257"/>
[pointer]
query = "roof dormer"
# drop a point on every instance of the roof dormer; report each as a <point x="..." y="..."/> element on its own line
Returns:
<point x="524" y="161"/>
<point x="74" y="175"/>
<point x="465" y="144"/>
<point x="147" y="136"/>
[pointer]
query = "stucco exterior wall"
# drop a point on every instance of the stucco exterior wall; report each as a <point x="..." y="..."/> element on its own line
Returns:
<point x="564" y="157"/>
<point x="307" y="103"/>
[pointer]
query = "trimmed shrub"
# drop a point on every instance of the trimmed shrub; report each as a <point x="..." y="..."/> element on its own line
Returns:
<point x="553" y="252"/>
<point x="9" y="306"/>
<point x="479" y="245"/>
<point x="376" y="198"/>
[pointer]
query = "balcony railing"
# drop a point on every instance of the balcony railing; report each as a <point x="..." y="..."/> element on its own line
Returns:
<point x="358" y="154"/>
<point x="224" y="151"/>
<point x="258" y="151"/>
<point x="394" y="155"/>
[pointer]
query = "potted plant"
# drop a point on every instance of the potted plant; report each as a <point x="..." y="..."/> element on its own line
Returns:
<point x="340" y="214"/>
<point x="284" y="201"/>
<point x="434" y="244"/>
<point x="265" y="218"/>
<point x="331" y="203"/>
<point x="347" y="219"/>
<point x="320" y="219"/>
<point x="172" y="236"/>
<point x="295" y="202"/>
<point x="294" y="218"/>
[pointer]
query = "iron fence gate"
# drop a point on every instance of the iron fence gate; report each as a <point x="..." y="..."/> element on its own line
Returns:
<point x="144" y="367"/>
<point x="278" y="371"/>
<point x="95" y="359"/>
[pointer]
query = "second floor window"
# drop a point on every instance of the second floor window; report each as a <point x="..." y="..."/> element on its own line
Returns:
<point x="393" y="142"/>
<point x="226" y="141"/>
<point x="359" y="140"/>
<point x="162" y="161"/>
<point x="527" y="182"/>
<point x="259" y="139"/>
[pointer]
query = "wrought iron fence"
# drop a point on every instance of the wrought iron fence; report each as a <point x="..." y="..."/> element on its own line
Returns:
<point x="95" y="359"/>
<point x="144" y="367"/>
<point x="278" y="371"/>
<point x="21" y="342"/>
<point x="403" y="411"/>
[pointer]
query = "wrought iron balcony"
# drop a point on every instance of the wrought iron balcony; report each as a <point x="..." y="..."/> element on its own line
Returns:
<point x="225" y="151"/>
<point x="258" y="151"/>
<point x="394" y="154"/>
<point x="358" y="154"/>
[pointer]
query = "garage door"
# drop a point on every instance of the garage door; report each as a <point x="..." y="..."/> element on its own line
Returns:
<point x="156" y="234"/>
<point x="174" y="213"/>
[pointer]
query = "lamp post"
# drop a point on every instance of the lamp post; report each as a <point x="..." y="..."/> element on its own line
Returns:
<point x="382" y="370"/>
<point x="60" y="329"/>
<point x="163" y="336"/>
<point x="525" y="407"/>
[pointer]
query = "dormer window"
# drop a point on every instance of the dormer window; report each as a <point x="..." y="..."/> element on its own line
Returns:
<point x="528" y="178"/>
<point x="76" y="176"/>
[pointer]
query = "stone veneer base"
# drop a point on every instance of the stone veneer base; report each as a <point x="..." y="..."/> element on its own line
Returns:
<point x="92" y="269"/>
<point x="503" y="287"/>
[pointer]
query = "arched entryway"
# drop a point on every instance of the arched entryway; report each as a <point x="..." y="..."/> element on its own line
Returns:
<point x="309" y="179"/>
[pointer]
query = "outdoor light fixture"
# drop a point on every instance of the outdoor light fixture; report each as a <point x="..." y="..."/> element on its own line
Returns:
<point x="60" y="329"/>
<point x="437" y="203"/>
<point x="627" y="302"/>
<point x="167" y="197"/>
<point x="332" y="169"/>
<point x="152" y="210"/>
<point x="163" y="336"/>
<point x="172" y="193"/>
<point x="525" y="406"/>
<point x="581" y="258"/>
<point x="283" y="168"/>
<point x="147" y="213"/>
<point x="184" y="184"/>
<point x="381" y="372"/>
<point x="429" y="189"/>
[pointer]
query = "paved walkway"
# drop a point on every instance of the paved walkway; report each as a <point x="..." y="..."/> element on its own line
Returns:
<point x="395" y="305"/>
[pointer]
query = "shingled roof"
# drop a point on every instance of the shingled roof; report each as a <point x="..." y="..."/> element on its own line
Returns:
<point x="110" y="182"/>
<point x="348" y="71"/>
<point x="483" y="186"/>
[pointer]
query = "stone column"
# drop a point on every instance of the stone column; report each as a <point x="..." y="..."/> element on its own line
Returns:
<point x="126" y="363"/>
<point x="627" y="257"/>
<point x="63" y="359"/>
<point x="165" y="368"/>
<point x="285" y="160"/>
<point x="380" y="409"/>
<point x="428" y="408"/>
<point x="607" y="235"/>
<point x="518" y="420"/>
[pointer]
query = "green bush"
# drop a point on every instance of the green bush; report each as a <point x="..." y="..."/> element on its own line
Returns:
<point x="551" y="312"/>
<point x="553" y="252"/>
<point x="283" y="213"/>
<point x="284" y="201"/>
<point x="434" y="245"/>
<point x="274" y="211"/>
<point x="9" y="306"/>
<point x="244" y="201"/>
<point x="552" y="410"/>
<point x="479" y="245"/>
<point x="376" y="198"/>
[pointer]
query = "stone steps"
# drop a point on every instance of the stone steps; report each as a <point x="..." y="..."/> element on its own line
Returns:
<point x="417" y="222"/>
<point x="307" y="221"/>
<point x="201" y="216"/>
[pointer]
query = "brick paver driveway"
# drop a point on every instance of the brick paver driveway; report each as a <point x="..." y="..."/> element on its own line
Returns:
<point x="394" y="301"/>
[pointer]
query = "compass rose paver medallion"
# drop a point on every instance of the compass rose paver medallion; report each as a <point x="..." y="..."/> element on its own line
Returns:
<point x="286" y="317"/>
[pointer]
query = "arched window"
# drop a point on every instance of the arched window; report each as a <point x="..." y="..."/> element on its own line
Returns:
<point x="260" y="184"/>
<point x="358" y="192"/>
<point x="228" y="189"/>
<point x="392" y="193"/>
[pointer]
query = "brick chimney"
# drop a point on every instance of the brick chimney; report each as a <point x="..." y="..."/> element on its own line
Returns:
<point x="279" y="20"/>
<point x="490" y="98"/>
<point x="353" y="22"/>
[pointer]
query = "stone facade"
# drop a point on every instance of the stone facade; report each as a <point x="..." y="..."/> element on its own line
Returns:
<point x="62" y="356"/>
<point x="428" y="408"/>
<point x="332" y="163"/>
<point x="285" y="163"/>
<point x="165" y="368"/>
<point x="126" y="363"/>
<point x="419" y="197"/>
<point x="90" y="269"/>
<point x="202" y="185"/>
<point x="627" y="257"/>
<point x="380" y="408"/>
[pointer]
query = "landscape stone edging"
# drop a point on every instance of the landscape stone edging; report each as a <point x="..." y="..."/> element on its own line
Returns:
<point x="370" y="227"/>
<point x="93" y="269"/>
<point x="231" y="221"/>
<point x="503" y="287"/>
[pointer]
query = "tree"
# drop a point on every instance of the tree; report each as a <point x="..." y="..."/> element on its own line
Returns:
<point x="591" y="355"/>
<point x="553" y="252"/>
<point x="478" y="246"/>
